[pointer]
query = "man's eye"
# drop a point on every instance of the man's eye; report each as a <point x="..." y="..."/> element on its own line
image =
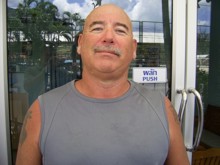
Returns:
<point x="97" y="29"/>
<point x="120" y="31"/>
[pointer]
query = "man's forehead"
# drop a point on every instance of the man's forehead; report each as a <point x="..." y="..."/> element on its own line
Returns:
<point x="105" y="18"/>
<point x="108" y="12"/>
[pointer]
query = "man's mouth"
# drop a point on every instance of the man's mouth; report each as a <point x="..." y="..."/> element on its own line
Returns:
<point x="108" y="49"/>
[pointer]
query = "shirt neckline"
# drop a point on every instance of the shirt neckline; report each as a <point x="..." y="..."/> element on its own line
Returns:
<point x="107" y="100"/>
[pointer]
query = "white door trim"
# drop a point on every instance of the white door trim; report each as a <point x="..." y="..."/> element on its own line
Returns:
<point x="178" y="50"/>
<point x="184" y="60"/>
<point x="5" y="151"/>
<point x="191" y="46"/>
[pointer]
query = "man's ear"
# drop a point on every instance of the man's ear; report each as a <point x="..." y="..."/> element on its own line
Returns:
<point x="135" y="49"/>
<point x="79" y="44"/>
<point x="78" y="49"/>
<point x="134" y="56"/>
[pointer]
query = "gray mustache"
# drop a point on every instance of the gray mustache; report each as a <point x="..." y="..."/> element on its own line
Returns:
<point x="110" y="49"/>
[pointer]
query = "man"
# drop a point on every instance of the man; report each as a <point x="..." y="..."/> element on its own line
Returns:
<point x="102" y="119"/>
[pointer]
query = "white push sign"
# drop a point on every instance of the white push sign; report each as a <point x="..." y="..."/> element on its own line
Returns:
<point x="150" y="74"/>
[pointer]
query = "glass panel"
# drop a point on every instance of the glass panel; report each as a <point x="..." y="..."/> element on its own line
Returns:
<point x="42" y="42"/>
<point x="208" y="67"/>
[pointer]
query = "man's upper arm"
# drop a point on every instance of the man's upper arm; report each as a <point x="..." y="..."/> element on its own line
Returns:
<point x="177" y="151"/>
<point x="28" y="149"/>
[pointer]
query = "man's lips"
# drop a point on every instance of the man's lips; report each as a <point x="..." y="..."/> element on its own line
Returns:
<point x="106" y="52"/>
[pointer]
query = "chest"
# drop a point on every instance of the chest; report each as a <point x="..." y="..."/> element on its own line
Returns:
<point x="106" y="134"/>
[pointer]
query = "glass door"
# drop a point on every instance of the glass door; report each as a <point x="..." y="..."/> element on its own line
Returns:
<point x="207" y="79"/>
<point x="42" y="41"/>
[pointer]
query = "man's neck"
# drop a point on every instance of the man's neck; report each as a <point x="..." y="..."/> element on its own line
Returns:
<point x="97" y="88"/>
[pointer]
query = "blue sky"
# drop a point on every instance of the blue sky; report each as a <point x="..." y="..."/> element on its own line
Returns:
<point x="204" y="14"/>
<point x="144" y="10"/>
<point x="75" y="1"/>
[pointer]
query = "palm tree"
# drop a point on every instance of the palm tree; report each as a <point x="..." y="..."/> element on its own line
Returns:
<point x="74" y="22"/>
<point x="97" y="3"/>
<point x="42" y="27"/>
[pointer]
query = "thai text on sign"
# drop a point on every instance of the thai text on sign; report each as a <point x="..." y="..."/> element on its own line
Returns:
<point x="150" y="74"/>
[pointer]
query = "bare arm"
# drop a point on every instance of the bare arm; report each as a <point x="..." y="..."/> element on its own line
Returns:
<point x="177" y="151"/>
<point x="28" y="149"/>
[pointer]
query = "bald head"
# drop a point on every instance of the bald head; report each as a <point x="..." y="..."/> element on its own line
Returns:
<point x="109" y="11"/>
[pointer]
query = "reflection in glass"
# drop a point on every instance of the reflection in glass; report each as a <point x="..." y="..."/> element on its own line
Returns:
<point x="207" y="78"/>
<point x="42" y="42"/>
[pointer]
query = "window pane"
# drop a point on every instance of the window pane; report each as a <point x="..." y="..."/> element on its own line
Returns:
<point x="207" y="77"/>
<point x="42" y="42"/>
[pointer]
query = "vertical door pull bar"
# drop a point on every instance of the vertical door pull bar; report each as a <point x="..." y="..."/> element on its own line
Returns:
<point x="200" y="119"/>
<point x="182" y="105"/>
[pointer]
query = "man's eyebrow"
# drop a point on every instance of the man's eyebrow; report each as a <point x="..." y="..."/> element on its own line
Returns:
<point x="96" y="23"/>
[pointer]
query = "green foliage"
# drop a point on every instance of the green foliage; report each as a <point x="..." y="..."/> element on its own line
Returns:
<point x="39" y="23"/>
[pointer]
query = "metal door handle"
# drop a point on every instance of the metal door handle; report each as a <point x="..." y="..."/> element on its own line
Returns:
<point x="200" y="120"/>
<point x="182" y="105"/>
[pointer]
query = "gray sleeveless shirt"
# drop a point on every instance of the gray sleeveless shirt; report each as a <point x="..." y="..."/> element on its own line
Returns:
<point x="128" y="130"/>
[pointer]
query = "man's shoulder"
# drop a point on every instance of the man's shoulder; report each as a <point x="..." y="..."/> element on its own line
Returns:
<point x="60" y="89"/>
<point x="57" y="93"/>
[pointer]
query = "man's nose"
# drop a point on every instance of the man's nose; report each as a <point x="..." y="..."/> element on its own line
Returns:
<point x="108" y="36"/>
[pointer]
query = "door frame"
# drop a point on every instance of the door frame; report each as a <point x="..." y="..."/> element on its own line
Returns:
<point x="184" y="61"/>
<point x="5" y="151"/>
